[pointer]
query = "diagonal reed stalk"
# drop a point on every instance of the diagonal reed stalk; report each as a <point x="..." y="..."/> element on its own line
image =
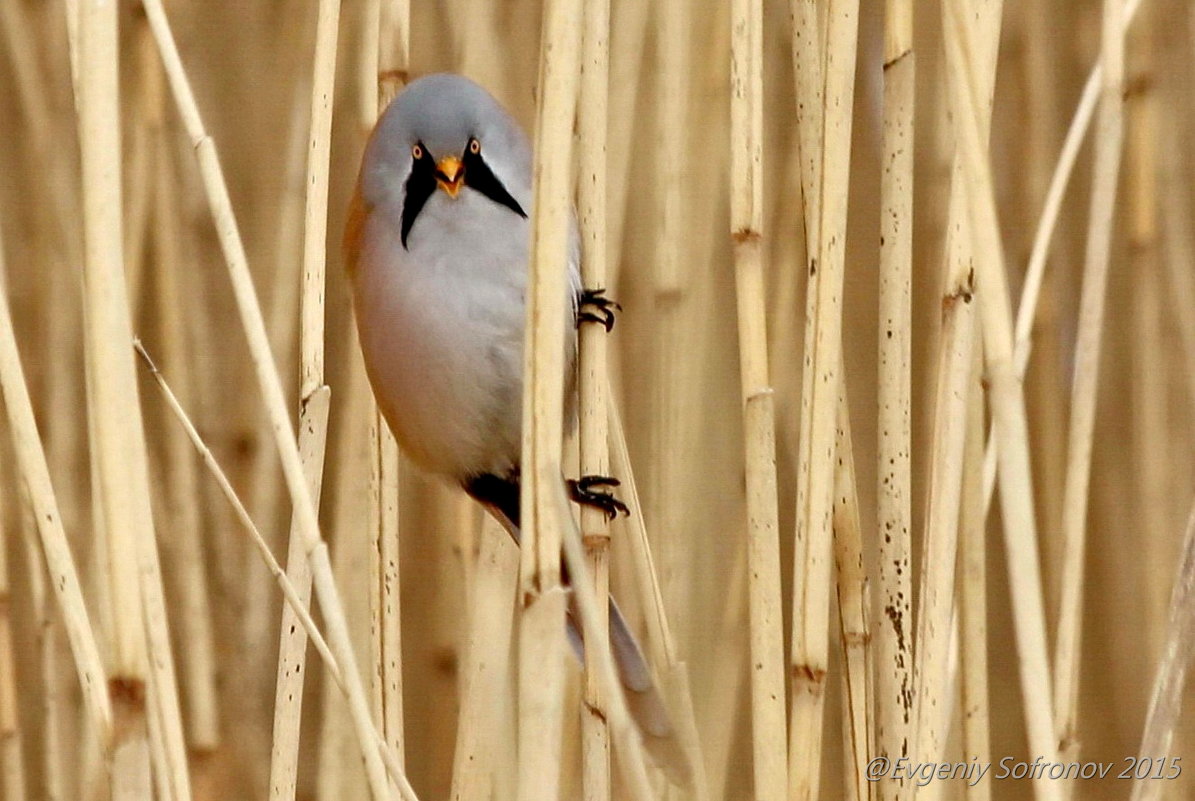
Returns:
<point x="290" y="592"/>
<point x="271" y="386"/>
<point x="1051" y="209"/>
<point x="1080" y="440"/>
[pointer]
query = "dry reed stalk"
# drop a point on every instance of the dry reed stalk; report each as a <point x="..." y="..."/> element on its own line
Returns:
<point x="292" y="646"/>
<point x="393" y="43"/>
<point x="1051" y="208"/>
<point x="541" y="652"/>
<point x="290" y="592"/>
<point x="12" y="758"/>
<point x="119" y="458"/>
<point x="267" y="376"/>
<point x="1046" y="393"/>
<point x="592" y="377"/>
<point x="314" y="399"/>
<point x="1108" y="144"/>
<point x="623" y="730"/>
<point x="819" y="401"/>
<point x="486" y="668"/>
<point x="758" y="401"/>
<point x="184" y="550"/>
<point x="973" y="588"/>
<point x="384" y="27"/>
<point x="892" y="648"/>
<point x="1165" y="701"/>
<point x="339" y="773"/>
<point x="853" y="605"/>
<point x="932" y="690"/>
<point x="385" y="589"/>
<point x="936" y="594"/>
<point x="1006" y="397"/>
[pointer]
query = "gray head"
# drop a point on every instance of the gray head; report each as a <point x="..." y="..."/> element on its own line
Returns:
<point x="445" y="132"/>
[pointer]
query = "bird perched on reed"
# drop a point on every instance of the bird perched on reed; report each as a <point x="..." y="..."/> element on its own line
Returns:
<point x="437" y="248"/>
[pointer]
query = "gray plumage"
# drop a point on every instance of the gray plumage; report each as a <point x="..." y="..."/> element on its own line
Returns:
<point x="438" y="288"/>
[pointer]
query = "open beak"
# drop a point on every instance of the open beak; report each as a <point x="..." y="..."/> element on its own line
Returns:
<point x="450" y="175"/>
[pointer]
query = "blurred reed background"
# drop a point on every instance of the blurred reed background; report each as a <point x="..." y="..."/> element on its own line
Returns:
<point x="788" y="201"/>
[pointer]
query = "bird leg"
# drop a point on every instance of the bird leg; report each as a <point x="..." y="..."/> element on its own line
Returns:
<point x="600" y="308"/>
<point x="590" y="491"/>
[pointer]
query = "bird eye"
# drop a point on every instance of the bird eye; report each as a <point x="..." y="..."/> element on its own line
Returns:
<point x="417" y="152"/>
<point x="474" y="146"/>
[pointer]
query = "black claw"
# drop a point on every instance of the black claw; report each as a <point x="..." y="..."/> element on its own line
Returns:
<point x="602" y="311"/>
<point x="588" y="490"/>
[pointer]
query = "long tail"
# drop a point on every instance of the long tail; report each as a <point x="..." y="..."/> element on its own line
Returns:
<point x="500" y="496"/>
<point x="644" y="701"/>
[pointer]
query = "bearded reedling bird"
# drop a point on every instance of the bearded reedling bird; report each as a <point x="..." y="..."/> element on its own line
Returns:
<point x="437" y="247"/>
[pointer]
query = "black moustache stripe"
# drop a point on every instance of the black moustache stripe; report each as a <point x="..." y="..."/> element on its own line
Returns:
<point x="479" y="176"/>
<point x="419" y="187"/>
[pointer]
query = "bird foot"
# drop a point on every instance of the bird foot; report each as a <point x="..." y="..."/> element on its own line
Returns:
<point x="595" y="307"/>
<point x="590" y="491"/>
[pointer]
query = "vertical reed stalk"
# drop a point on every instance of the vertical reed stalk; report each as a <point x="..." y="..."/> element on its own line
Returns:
<point x="763" y="536"/>
<point x="390" y="37"/>
<point x="853" y="603"/>
<point x="936" y="596"/>
<point x="894" y="658"/>
<point x="973" y="588"/>
<point x="119" y="447"/>
<point x="592" y="378"/>
<point x="1006" y="395"/>
<point x="953" y="384"/>
<point x="485" y="669"/>
<point x="314" y="399"/>
<point x="541" y="666"/>
<point x="1108" y="143"/>
<point x="823" y="365"/>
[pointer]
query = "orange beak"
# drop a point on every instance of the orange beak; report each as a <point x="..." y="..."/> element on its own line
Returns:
<point x="450" y="175"/>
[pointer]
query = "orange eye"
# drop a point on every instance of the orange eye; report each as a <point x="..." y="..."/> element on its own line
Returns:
<point x="417" y="152"/>
<point x="474" y="146"/>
